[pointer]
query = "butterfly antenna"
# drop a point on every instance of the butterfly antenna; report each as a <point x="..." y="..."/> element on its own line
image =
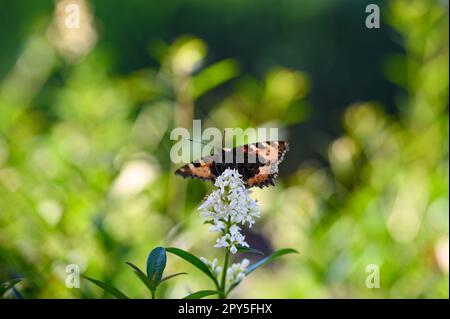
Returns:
<point x="216" y="148"/>
<point x="190" y="139"/>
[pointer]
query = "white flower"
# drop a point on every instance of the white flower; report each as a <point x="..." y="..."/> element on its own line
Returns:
<point x="212" y="265"/>
<point x="222" y="241"/>
<point x="234" y="229"/>
<point x="218" y="226"/>
<point x="227" y="207"/>
<point x="236" y="272"/>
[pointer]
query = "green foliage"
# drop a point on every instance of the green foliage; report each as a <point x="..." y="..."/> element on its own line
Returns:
<point x="110" y="289"/>
<point x="201" y="294"/>
<point x="268" y="259"/>
<point x="172" y="276"/>
<point x="156" y="263"/>
<point x="145" y="280"/>
<point x="7" y="285"/>
<point x="263" y="262"/>
<point x="249" y="250"/>
<point x="194" y="261"/>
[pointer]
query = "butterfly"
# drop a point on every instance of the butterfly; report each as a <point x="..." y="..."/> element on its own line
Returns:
<point x="257" y="163"/>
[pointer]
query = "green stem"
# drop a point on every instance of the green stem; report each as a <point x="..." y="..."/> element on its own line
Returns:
<point x="222" y="294"/>
<point x="222" y="290"/>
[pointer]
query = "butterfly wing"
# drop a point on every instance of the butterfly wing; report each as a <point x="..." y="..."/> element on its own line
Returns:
<point x="261" y="161"/>
<point x="257" y="163"/>
<point x="203" y="169"/>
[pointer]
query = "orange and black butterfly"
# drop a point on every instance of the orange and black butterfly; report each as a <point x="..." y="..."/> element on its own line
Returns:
<point x="257" y="163"/>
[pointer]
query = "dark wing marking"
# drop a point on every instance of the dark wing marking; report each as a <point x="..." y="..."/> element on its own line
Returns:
<point x="203" y="169"/>
<point x="269" y="155"/>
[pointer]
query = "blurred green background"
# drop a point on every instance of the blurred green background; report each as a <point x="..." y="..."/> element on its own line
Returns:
<point x="86" y="115"/>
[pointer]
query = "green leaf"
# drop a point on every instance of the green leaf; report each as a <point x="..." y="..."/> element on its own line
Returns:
<point x="140" y="274"/>
<point x="113" y="291"/>
<point x="249" y="250"/>
<point x="275" y="255"/>
<point x="193" y="260"/>
<point x="201" y="294"/>
<point x="232" y="287"/>
<point x="213" y="76"/>
<point x="156" y="263"/>
<point x="262" y="262"/>
<point x="173" y="275"/>
<point x="16" y="293"/>
<point x="5" y="286"/>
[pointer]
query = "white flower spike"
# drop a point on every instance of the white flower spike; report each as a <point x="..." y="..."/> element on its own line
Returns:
<point x="227" y="207"/>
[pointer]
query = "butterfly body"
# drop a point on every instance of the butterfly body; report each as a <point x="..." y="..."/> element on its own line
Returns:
<point x="257" y="163"/>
